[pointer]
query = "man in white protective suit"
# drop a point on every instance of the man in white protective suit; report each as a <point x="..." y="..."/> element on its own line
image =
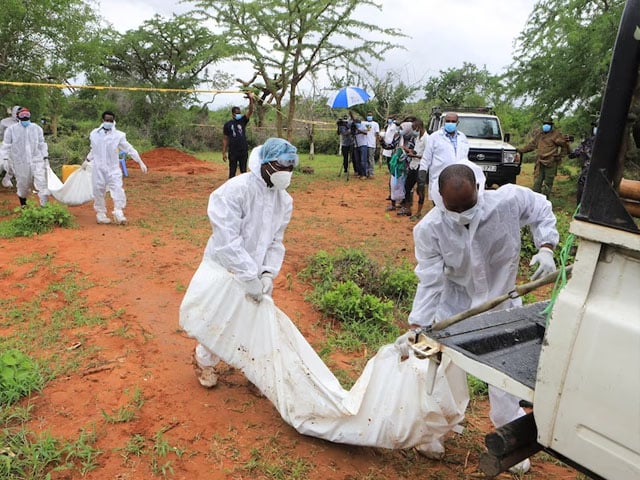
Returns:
<point x="106" y="144"/>
<point x="24" y="149"/>
<point x="446" y="146"/>
<point x="249" y="214"/>
<point x="5" y="123"/>
<point x="467" y="251"/>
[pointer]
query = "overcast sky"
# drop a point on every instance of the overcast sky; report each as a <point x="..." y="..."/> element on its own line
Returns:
<point x="441" y="34"/>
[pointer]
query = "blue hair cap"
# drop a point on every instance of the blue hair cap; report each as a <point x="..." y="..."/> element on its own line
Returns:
<point x="280" y="151"/>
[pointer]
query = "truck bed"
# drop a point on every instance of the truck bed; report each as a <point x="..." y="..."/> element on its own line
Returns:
<point x="506" y="341"/>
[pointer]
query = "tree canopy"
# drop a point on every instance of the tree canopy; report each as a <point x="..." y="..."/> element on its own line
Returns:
<point x="562" y="56"/>
<point x="286" y="40"/>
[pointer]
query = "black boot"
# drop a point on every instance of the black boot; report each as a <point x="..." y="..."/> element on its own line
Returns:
<point x="23" y="202"/>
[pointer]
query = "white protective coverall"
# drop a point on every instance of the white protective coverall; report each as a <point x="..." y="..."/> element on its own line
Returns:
<point x="249" y="220"/>
<point x="441" y="152"/>
<point x="389" y="406"/>
<point x="105" y="162"/>
<point x="5" y="164"/>
<point x="27" y="154"/>
<point x="460" y="268"/>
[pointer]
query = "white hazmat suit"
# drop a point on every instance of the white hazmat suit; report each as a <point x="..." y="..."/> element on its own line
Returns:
<point x="460" y="267"/>
<point x="5" y="165"/>
<point x="249" y="220"/>
<point x="26" y="152"/>
<point x="107" y="174"/>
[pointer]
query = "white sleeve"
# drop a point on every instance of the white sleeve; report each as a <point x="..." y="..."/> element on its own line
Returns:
<point x="127" y="147"/>
<point x="430" y="273"/>
<point x="427" y="156"/>
<point x="225" y="212"/>
<point x="536" y="212"/>
<point x="7" y="140"/>
<point x="42" y="145"/>
<point x="275" y="252"/>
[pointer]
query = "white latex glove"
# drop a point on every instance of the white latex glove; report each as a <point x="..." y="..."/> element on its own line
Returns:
<point x="403" y="343"/>
<point x="253" y="288"/>
<point x="143" y="167"/>
<point x="545" y="261"/>
<point x="267" y="283"/>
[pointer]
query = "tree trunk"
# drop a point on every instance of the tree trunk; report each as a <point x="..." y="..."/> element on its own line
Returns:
<point x="292" y="109"/>
<point x="279" y="116"/>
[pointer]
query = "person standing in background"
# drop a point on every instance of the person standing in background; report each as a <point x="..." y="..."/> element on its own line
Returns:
<point x="234" y="139"/>
<point x="5" y="123"/>
<point x="550" y="146"/>
<point x="27" y="154"/>
<point x="373" y="129"/>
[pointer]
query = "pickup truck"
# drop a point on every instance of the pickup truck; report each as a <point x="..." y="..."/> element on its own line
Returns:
<point x="581" y="371"/>
<point x="488" y="146"/>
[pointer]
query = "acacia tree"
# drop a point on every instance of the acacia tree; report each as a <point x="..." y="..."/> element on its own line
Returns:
<point x="286" y="40"/>
<point x="468" y="85"/>
<point x="170" y="53"/>
<point x="173" y="53"/>
<point x="562" y="56"/>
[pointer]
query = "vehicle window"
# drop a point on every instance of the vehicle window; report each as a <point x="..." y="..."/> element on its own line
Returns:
<point x="475" y="127"/>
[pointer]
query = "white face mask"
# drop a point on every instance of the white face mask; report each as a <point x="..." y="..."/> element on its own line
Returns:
<point x="463" y="218"/>
<point x="281" y="180"/>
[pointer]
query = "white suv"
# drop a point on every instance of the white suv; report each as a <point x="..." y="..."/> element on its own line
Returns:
<point x="488" y="145"/>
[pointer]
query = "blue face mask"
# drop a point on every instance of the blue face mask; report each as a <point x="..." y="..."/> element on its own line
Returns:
<point x="25" y="123"/>
<point x="369" y="118"/>
<point x="450" y="127"/>
<point x="390" y="121"/>
<point x="107" y="125"/>
<point x="238" y="116"/>
<point x="546" y="128"/>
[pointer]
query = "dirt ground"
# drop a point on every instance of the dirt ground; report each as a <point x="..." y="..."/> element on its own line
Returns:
<point x="137" y="276"/>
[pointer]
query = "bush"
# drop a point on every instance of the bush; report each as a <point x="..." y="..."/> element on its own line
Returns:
<point x="34" y="220"/>
<point x="19" y="376"/>
<point x="360" y="294"/>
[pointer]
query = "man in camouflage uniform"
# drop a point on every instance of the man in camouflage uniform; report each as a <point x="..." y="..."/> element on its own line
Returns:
<point x="551" y="145"/>
<point x="583" y="152"/>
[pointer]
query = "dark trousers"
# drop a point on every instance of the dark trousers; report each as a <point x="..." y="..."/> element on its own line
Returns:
<point x="363" y="159"/>
<point x="346" y="154"/>
<point x="237" y="159"/>
<point x="413" y="178"/>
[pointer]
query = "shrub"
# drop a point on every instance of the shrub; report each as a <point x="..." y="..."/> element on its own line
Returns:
<point x="19" y="376"/>
<point x="34" y="220"/>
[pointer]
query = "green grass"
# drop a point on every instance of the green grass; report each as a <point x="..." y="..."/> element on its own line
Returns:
<point x="36" y="331"/>
<point x="128" y="412"/>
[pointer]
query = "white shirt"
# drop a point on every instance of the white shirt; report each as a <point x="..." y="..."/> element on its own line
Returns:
<point x="373" y="129"/>
<point x="388" y="135"/>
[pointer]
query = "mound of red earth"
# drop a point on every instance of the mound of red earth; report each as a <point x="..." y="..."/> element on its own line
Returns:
<point x="174" y="161"/>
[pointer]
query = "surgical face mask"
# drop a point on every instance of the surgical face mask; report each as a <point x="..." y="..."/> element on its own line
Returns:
<point x="25" y="123"/>
<point x="107" y="125"/>
<point x="450" y="127"/>
<point x="369" y="118"/>
<point x="463" y="218"/>
<point x="390" y="121"/>
<point x="416" y="133"/>
<point x="281" y="180"/>
<point x="238" y="116"/>
<point x="546" y="128"/>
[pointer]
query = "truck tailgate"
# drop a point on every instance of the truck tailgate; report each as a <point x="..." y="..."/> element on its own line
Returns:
<point x="499" y="347"/>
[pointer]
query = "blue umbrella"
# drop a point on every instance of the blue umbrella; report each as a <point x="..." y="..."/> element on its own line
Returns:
<point x="347" y="97"/>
